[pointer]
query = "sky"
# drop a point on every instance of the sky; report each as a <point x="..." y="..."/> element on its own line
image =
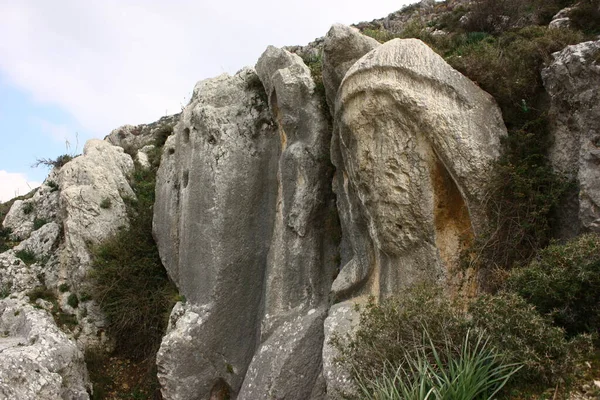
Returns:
<point x="71" y="70"/>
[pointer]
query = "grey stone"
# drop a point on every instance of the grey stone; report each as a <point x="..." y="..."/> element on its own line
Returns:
<point x="42" y="241"/>
<point x="341" y="324"/>
<point x="213" y="219"/>
<point x="573" y="80"/>
<point x="37" y="360"/>
<point x="343" y="46"/>
<point x="302" y="255"/>
<point x="287" y="365"/>
<point x="134" y="138"/>
<point x="99" y="174"/>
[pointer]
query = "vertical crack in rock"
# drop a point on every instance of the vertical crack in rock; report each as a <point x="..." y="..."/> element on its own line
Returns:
<point x="301" y="260"/>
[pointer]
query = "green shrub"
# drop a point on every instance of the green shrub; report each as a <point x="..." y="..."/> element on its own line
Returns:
<point x="5" y="238"/>
<point x="129" y="281"/>
<point x="163" y="134"/>
<point x="563" y="282"/>
<point x="41" y="292"/>
<point x="106" y="203"/>
<point x="38" y="223"/>
<point x="28" y="208"/>
<point x="391" y="333"/>
<point x="586" y="16"/>
<point x="27" y="256"/>
<point x="72" y="300"/>
<point x="477" y="371"/>
<point x="58" y="162"/>
<point x="525" y="337"/>
<point x="523" y="195"/>
<point x="52" y="185"/>
<point x="5" y="290"/>
<point x="508" y="66"/>
<point x="63" y="287"/>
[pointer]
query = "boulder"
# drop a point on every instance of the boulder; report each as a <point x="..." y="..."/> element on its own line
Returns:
<point x="87" y="183"/>
<point x="37" y="360"/>
<point x="573" y="80"/>
<point x="561" y="20"/>
<point x="302" y="254"/>
<point x="42" y="206"/>
<point x="216" y="198"/>
<point x="342" y="47"/>
<point x="413" y="144"/>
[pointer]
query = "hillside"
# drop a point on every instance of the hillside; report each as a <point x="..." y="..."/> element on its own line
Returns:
<point x="407" y="205"/>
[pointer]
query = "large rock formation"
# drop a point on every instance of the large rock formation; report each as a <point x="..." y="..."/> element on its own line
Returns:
<point x="572" y="81"/>
<point x="416" y="140"/>
<point x="248" y="230"/>
<point x="302" y="253"/>
<point x="252" y="186"/>
<point x="216" y="197"/>
<point x="37" y="360"/>
<point x="413" y="144"/>
<point x="80" y="205"/>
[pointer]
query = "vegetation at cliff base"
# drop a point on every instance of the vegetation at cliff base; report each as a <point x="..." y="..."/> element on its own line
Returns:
<point x="129" y="281"/>
<point x="409" y="340"/>
<point x="135" y="294"/>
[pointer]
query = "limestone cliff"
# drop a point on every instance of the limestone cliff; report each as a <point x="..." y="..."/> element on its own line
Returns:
<point x="286" y="194"/>
<point x="245" y="218"/>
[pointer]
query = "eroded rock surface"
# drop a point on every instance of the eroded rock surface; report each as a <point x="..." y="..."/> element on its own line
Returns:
<point x="133" y="138"/>
<point x="342" y="47"/>
<point x="246" y="176"/>
<point x="572" y="81"/>
<point x="99" y="176"/>
<point x="302" y="254"/>
<point x="37" y="360"/>
<point x="416" y="140"/>
<point x="214" y="216"/>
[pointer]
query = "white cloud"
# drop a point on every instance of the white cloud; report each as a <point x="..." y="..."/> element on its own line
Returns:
<point x="14" y="184"/>
<point x="113" y="62"/>
<point x="60" y="133"/>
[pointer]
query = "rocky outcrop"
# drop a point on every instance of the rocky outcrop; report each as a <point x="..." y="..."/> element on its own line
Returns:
<point x="214" y="214"/>
<point x="37" y="360"/>
<point x="561" y="20"/>
<point x="413" y="144"/>
<point x="133" y="138"/>
<point x="342" y="47"/>
<point x="92" y="192"/>
<point x="416" y="140"/>
<point x="302" y="253"/>
<point x="572" y="81"/>
<point x="247" y="175"/>
<point x="247" y="227"/>
<point x="79" y="205"/>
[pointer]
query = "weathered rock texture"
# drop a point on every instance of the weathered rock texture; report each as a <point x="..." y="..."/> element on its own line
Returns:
<point x="214" y="214"/>
<point x="416" y="140"/>
<point x="37" y="360"/>
<point x="245" y="225"/>
<point x="573" y="81"/>
<point x="133" y="138"/>
<point x="302" y="259"/>
<point x="99" y="175"/>
<point x="342" y="47"/>
<point x="413" y="144"/>
<point x="57" y="227"/>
